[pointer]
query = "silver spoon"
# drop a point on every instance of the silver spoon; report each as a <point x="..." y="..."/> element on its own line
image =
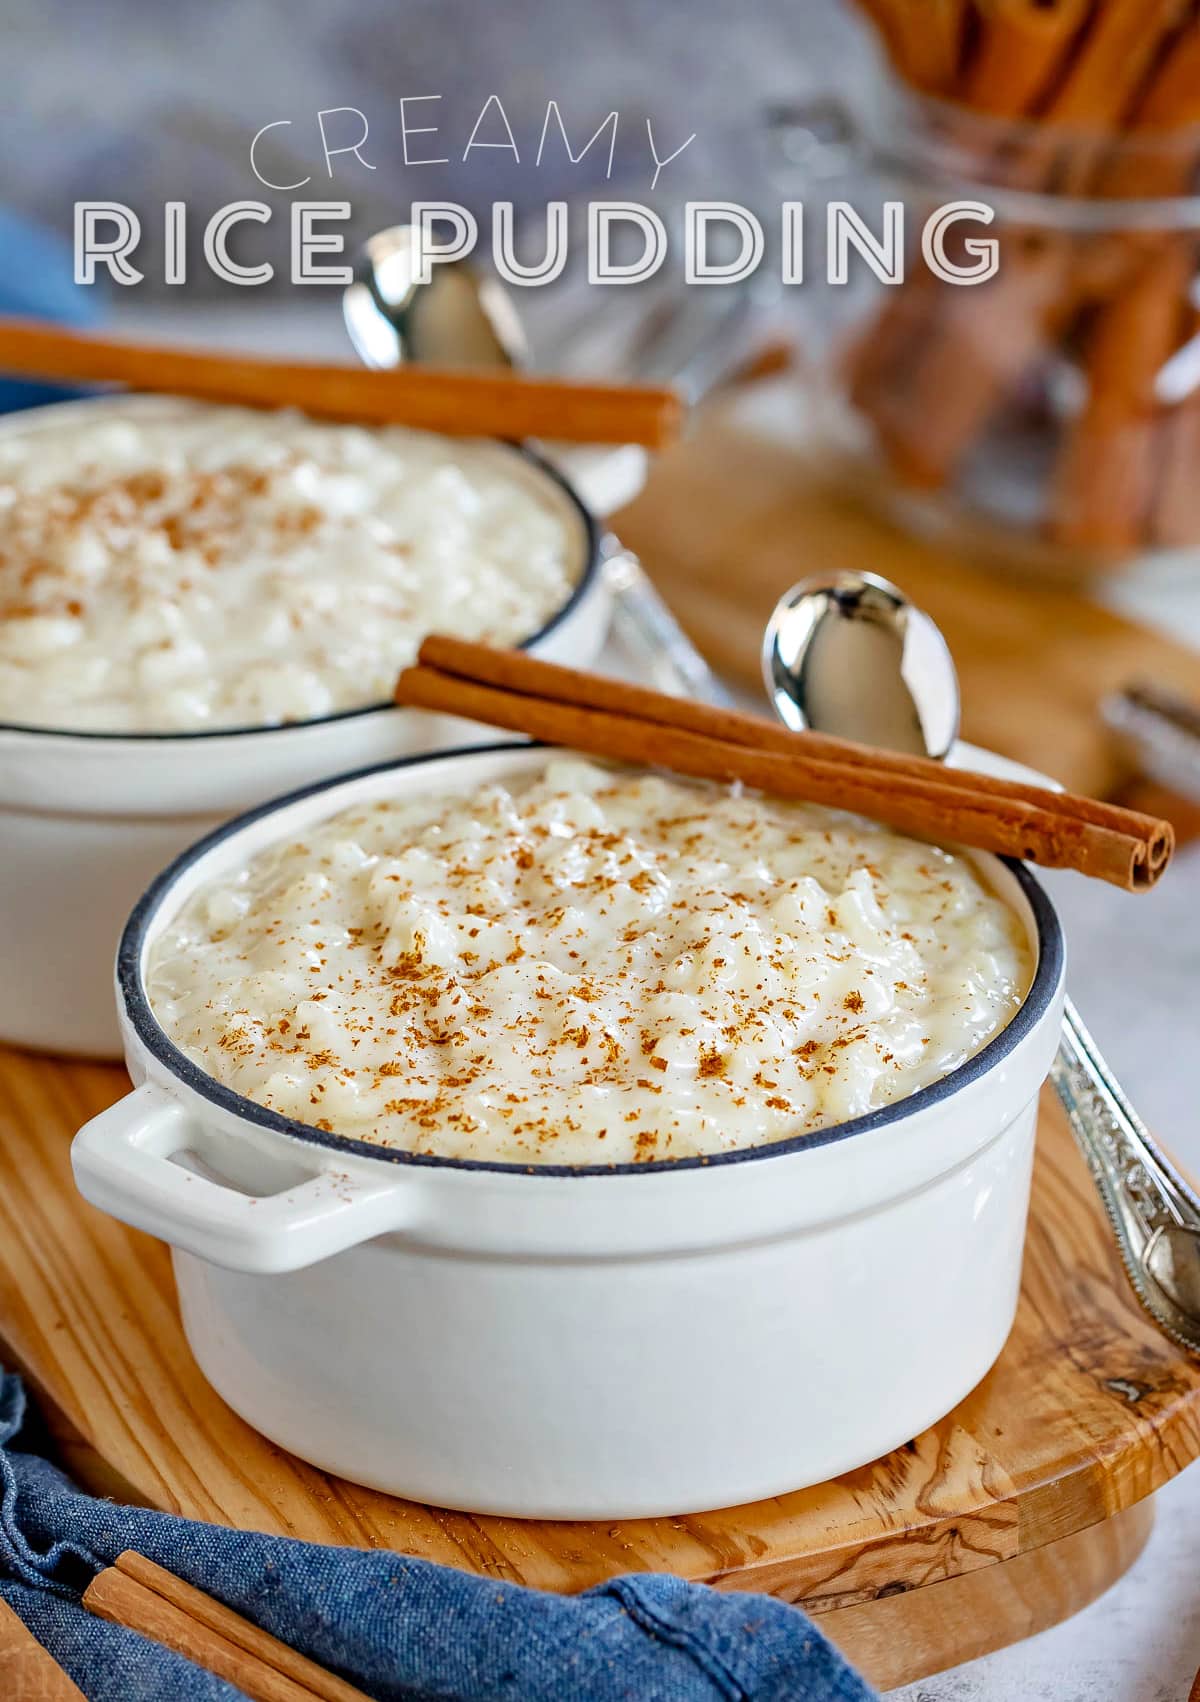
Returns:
<point x="856" y="631"/>
<point x="849" y="652"/>
<point x="458" y="318"/>
<point x="464" y="318"/>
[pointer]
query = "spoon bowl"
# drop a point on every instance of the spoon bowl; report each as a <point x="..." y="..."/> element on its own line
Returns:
<point x="458" y="318"/>
<point x="848" y="654"/>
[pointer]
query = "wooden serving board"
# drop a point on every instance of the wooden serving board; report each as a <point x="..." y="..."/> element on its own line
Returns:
<point x="732" y="516"/>
<point x="1017" y="1509"/>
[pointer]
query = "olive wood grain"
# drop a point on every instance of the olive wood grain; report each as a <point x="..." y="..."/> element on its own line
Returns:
<point x="1088" y="1411"/>
<point x="910" y="1634"/>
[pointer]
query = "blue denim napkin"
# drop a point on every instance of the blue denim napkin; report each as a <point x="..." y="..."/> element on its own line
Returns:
<point x="37" y="282"/>
<point x="403" y="1630"/>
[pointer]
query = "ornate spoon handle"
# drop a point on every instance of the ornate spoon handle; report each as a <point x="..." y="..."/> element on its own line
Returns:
<point x="641" y="616"/>
<point x="1154" y="1212"/>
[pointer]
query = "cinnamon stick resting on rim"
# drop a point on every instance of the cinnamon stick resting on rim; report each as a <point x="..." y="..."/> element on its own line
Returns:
<point x="460" y="403"/>
<point x="609" y="718"/>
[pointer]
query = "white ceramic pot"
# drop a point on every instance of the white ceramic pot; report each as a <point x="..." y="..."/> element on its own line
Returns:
<point x="86" y="820"/>
<point x="577" y="1343"/>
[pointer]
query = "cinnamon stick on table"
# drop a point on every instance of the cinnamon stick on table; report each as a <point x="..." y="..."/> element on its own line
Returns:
<point x="148" y="1599"/>
<point x="609" y="718"/>
<point x="924" y="42"/>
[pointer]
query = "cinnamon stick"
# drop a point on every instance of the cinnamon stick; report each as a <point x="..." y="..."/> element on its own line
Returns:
<point x="1105" y="77"/>
<point x="517" y="670"/>
<point x="977" y="345"/>
<point x="1109" y="467"/>
<point x="1156" y="158"/>
<point x="148" y="1599"/>
<point x="1104" y="484"/>
<point x="1021" y="45"/>
<point x="979" y="342"/>
<point x="458" y="402"/>
<point x="925" y="41"/>
<point x="1169" y="104"/>
<point x="609" y="718"/>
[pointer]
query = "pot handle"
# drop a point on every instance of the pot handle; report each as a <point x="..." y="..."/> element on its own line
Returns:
<point x="124" y="1163"/>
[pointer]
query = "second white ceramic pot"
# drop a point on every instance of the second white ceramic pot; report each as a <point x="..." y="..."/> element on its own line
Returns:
<point x="86" y="819"/>
<point x="589" y="1342"/>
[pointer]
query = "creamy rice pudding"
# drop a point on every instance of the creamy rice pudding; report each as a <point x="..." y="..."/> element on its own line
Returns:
<point x="588" y="965"/>
<point x="184" y="567"/>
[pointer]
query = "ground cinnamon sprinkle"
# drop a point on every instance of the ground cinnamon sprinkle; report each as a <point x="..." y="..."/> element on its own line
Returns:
<point x="176" y="566"/>
<point x="588" y="955"/>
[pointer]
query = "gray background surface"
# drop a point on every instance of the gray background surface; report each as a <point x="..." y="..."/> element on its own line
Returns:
<point x="143" y="101"/>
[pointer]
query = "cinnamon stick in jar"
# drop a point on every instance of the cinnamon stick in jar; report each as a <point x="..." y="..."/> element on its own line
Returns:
<point x="929" y="404"/>
<point x="1155" y="158"/>
<point x="924" y="41"/>
<point x="1164" y="159"/>
<point x="1103" y="487"/>
<point x="1020" y="47"/>
<point x="1175" y="510"/>
<point x="977" y="344"/>
<point x="1100" y="90"/>
<point x="1124" y="472"/>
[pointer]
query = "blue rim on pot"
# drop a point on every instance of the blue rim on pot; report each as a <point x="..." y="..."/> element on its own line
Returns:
<point x="132" y="993"/>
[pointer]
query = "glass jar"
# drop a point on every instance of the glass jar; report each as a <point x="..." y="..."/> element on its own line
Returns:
<point x="1049" y="415"/>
